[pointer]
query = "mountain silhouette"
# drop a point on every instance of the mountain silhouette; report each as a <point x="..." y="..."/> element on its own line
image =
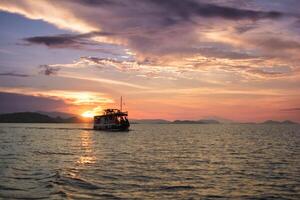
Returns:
<point x="33" y="117"/>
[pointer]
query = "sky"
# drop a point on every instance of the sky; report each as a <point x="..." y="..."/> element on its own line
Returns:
<point x="169" y="59"/>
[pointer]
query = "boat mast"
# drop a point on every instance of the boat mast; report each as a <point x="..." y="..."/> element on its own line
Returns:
<point x="121" y="104"/>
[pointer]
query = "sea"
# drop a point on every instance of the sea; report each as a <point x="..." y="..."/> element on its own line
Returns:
<point x="151" y="161"/>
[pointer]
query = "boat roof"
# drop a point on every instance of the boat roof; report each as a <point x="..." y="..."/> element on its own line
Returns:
<point x="112" y="112"/>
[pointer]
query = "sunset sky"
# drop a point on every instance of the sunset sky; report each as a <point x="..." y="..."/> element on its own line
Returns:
<point x="169" y="59"/>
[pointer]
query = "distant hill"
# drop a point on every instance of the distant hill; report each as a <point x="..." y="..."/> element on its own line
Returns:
<point x="162" y="121"/>
<point x="203" y="121"/>
<point x="149" y="121"/>
<point x="278" y="122"/>
<point x="33" y="117"/>
<point x="288" y="122"/>
<point x="219" y="119"/>
<point x="57" y="114"/>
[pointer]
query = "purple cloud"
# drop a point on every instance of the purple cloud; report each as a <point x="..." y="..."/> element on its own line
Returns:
<point x="12" y="102"/>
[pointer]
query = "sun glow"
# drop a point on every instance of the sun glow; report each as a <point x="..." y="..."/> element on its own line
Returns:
<point x="92" y="113"/>
<point x="88" y="114"/>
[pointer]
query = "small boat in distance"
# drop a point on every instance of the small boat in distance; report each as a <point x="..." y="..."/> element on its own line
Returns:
<point x="112" y="120"/>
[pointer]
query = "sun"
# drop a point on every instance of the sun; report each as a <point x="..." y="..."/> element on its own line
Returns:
<point x="88" y="114"/>
<point x="92" y="112"/>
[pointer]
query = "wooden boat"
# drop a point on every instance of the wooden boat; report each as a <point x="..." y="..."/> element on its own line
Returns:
<point x="112" y="120"/>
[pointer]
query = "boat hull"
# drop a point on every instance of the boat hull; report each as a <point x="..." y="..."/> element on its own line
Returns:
<point x="111" y="127"/>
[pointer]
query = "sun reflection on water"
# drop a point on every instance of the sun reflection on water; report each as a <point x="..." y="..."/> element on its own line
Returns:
<point x="87" y="147"/>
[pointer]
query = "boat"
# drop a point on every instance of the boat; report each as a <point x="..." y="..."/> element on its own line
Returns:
<point x="112" y="120"/>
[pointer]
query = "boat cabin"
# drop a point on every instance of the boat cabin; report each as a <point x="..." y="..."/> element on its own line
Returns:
<point x="112" y="119"/>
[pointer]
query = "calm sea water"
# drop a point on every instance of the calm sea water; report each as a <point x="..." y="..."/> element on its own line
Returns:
<point x="69" y="161"/>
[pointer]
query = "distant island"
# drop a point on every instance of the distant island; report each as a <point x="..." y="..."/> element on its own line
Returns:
<point x="149" y="121"/>
<point x="203" y="121"/>
<point x="60" y="117"/>
<point x="34" y="117"/>
<point x="278" y="122"/>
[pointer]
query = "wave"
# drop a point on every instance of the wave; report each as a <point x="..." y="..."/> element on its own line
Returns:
<point x="177" y="187"/>
<point x="3" y="187"/>
<point x="52" y="153"/>
<point x="75" y="182"/>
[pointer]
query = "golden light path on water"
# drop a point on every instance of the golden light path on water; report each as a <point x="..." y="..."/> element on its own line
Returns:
<point x="87" y="144"/>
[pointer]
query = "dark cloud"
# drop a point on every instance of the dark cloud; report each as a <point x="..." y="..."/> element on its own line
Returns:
<point x="48" y="70"/>
<point x="14" y="74"/>
<point x="12" y="102"/>
<point x="188" y="8"/>
<point x="76" y="41"/>
<point x="61" y="40"/>
<point x="184" y="10"/>
<point x="66" y="40"/>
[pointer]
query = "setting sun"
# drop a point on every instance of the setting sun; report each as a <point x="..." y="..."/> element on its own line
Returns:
<point x="91" y="113"/>
<point x="88" y="114"/>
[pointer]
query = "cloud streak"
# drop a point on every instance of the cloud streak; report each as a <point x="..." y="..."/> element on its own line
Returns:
<point x="57" y="70"/>
<point x="66" y="40"/>
<point x="187" y="9"/>
<point x="107" y="81"/>
<point x="13" y="74"/>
